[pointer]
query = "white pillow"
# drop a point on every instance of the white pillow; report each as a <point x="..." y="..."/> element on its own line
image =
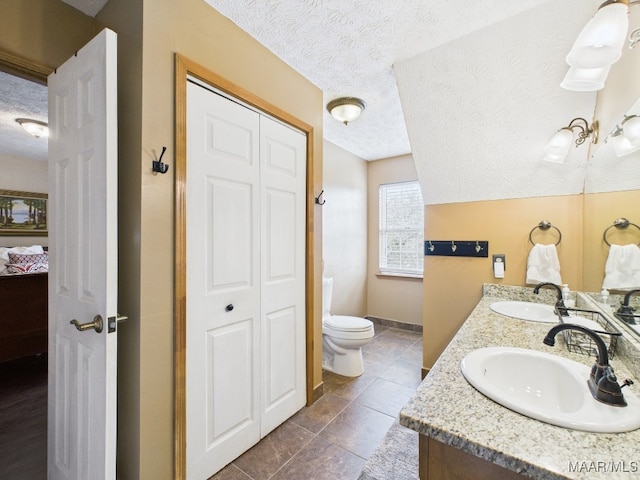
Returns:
<point x="4" y="254"/>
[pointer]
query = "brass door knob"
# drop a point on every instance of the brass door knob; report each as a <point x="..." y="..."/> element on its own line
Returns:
<point x="96" y="325"/>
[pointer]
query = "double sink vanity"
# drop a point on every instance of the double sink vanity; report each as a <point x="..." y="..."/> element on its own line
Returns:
<point x="501" y="404"/>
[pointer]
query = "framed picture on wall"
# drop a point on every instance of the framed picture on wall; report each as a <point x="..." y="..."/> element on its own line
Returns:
<point x="23" y="213"/>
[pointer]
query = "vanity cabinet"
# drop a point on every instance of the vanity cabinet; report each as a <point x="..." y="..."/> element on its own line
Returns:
<point x="465" y="435"/>
<point x="439" y="461"/>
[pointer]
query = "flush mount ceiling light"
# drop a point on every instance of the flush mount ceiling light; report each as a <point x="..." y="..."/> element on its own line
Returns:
<point x="34" y="127"/>
<point x="557" y="149"/>
<point x="626" y="137"/>
<point x="346" y="109"/>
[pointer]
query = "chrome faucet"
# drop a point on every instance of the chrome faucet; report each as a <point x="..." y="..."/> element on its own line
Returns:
<point x="561" y="309"/>
<point x="602" y="382"/>
<point x="625" y="311"/>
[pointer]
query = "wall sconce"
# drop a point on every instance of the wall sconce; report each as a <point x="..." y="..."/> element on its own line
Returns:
<point x="34" y="127"/>
<point x="346" y="109"/>
<point x="601" y="40"/>
<point x="557" y="148"/>
<point x="585" y="79"/>
<point x="626" y="136"/>
<point x="597" y="47"/>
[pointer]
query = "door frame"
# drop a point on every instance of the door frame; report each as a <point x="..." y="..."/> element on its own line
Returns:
<point x="17" y="65"/>
<point x="184" y="68"/>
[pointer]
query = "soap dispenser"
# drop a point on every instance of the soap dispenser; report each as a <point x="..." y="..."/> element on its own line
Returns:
<point x="566" y="296"/>
<point x="604" y="296"/>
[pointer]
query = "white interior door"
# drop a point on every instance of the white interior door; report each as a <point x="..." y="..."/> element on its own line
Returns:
<point x="83" y="263"/>
<point x="245" y="201"/>
<point x="283" y="160"/>
<point x="223" y="281"/>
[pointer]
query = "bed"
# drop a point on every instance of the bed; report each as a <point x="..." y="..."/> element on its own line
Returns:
<point x="23" y="312"/>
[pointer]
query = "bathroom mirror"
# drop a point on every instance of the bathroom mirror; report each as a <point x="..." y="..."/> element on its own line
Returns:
<point x="607" y="172"/>
<point x="630" y="336"/>
<point x="612" y="304"/>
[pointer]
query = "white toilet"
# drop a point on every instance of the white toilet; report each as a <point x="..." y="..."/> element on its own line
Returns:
<point x="342" y="337"/>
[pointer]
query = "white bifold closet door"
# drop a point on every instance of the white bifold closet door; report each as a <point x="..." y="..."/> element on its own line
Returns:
<point x="246" y="186"/>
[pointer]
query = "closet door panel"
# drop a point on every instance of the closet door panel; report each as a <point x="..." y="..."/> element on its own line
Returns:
<point x="223" y="281"/>
<point x="283" y="189"/>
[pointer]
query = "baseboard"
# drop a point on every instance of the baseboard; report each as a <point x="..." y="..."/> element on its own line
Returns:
<point x="385" y="322"/>
<point x="318" y="391"/>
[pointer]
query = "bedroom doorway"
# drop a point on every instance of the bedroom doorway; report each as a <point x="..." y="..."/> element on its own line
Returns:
<point x="23" y="368"/>
<point x="82" y="184"/>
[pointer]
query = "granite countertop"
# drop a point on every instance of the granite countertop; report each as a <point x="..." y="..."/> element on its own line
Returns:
<point x="447" y="408"/>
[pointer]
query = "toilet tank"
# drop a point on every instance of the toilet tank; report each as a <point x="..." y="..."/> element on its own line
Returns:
<point x="327" y="291"/>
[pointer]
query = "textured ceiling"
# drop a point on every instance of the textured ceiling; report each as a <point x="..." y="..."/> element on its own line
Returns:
<point x="470" y="88"/>
<point x="348" y="48"/>
<point x="21" y="98"/>
<point x="493" y="101"/>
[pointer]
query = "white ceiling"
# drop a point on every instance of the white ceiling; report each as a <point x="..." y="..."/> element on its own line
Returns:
<point x="470" y="88"/>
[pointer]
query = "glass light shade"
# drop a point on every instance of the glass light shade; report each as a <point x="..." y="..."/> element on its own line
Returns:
<point x="346" y="109"/>
<point x="558" y="147"/>
<point x="554" y="158"/>
<point x="601" y="40"/>
<point x="585" y="79"/>
<point x="631" y="129"/>
<point x="622" y="146"/>
<point x="346" y="113"/>
<point x="34" y="127"/>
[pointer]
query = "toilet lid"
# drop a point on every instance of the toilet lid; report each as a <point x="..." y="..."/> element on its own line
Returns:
<point x="348" y="324"/>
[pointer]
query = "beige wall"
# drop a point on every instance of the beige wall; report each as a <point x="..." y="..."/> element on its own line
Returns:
<point x="24" y="175"/>
<point x="344" y="229"/>
<point x="453" y="285"/>
<point x="149" y="33"/>
<point x="196" y="31"/>
<point x="392" y="298"/>
<point x="46" y="32"/>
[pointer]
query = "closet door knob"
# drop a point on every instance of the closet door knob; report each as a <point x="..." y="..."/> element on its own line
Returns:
<point x="229" y="307"/>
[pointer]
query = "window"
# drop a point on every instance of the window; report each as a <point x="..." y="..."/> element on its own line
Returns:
<point x="401" y="228"/>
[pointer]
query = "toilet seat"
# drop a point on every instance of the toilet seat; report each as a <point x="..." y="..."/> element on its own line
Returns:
<point x="348" y="324"/>
<point x="347" y="328"/>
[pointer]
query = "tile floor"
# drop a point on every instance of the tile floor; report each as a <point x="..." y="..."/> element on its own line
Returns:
<point x="334" y="438"/>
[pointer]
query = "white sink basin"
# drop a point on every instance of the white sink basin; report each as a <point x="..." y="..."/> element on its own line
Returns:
<point x="538" y="312"/>
<point x="535" y="312"/>
<point x="548" y="388"/>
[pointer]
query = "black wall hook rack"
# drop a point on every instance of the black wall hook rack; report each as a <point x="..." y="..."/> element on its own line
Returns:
<point x="158" y="166"/>
<point x="456" y="248"/>
<point x="318" y="201"/>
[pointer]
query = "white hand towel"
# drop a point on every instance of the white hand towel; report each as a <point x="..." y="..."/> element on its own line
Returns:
<point x="622" y="270"/>
<point x="543" y="265"/>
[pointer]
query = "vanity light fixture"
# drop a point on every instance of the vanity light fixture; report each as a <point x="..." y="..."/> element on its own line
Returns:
<point x="585" y="79"/>
<point x="557" y="148"/>
<point x="597" y="47"/>
<point x="346" y="109"/>
<point x="601" y="40"/>
<point x="626" y="136"/>
<point x="34" y="127"/>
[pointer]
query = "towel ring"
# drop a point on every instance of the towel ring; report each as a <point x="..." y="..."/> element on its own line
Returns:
<point x="620" y="223"/>
<point x="545" y="225"/>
